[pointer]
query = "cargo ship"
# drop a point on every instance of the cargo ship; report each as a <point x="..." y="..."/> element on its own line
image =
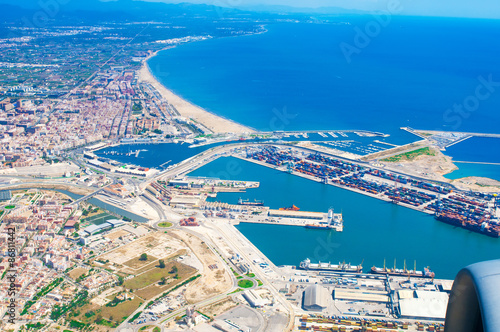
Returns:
<point x="334" y="221"/>
<point x="481" y="226"/>
<point x="427" y="273"/>
<point x="247" y="202"/>
<point x="340" y="267"/>
<point x="290" y="208"/>
<point x="319" y="226"/>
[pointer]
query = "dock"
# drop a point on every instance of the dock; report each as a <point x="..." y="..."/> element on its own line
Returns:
<point x="312" y="220"/>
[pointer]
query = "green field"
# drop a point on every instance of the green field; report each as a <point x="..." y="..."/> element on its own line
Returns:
<point x="165" y="224"/>
<point x="9" y="207"/>
<point x="407" y="156"/>
<point x="245" y="283"/>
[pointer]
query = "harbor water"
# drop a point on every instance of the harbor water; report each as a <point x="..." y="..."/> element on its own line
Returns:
<point x="374" y="230"/>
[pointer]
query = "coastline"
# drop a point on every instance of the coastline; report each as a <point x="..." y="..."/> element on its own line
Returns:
<point x="215" y="123"/>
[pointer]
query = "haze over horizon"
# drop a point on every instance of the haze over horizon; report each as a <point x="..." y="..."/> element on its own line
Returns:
<point x="460" y="8"/>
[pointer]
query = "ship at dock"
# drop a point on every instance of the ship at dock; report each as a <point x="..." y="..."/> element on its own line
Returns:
<point x="427" y="273"/>
<point x="481" y="226"/>
<point x="249" y="203"/>
<point x="289" y="208"/>
<point x="340" y="267"/>
<point x="333" y="221"/>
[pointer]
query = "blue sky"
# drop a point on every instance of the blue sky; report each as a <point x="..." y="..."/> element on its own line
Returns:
<point x="456" y="8"/>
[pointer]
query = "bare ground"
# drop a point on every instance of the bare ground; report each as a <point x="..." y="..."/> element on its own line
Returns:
<point x="212" y="281"/>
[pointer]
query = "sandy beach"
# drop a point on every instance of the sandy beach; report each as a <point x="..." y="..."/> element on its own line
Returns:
<point x="213" y="122"/>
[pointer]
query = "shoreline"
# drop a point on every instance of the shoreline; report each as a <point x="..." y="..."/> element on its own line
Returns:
<point x="215" y="123"/>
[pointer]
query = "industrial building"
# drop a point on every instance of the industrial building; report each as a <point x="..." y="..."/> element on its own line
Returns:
<point x="361" y="295"/>
<point x="430" y="305"/>
<point x="297" y="214"/>
<point x="185" y="201"/>
<point x="315" y="298"/>
<point x="5" y="195"/>
<point x="254" y="299"/>
<point x="94" y="229"/>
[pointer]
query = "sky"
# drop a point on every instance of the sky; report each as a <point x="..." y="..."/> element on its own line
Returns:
<point x="454" y="8"/>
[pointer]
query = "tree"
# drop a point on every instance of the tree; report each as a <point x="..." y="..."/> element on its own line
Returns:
<point x="174" y="269"/>
<point x="162" y="264"/>
<point x="77" y="226"/>
<point x="144" y="257"/>
<point x="120" y="280"/>
<point x="163" y="280"/>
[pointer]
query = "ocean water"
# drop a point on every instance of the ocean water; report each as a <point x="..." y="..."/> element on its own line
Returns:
<point x="466" y="169"/>
<point x="478" y="149"/>
<point x="295" y="76"/>
<point x="374" y="230"/>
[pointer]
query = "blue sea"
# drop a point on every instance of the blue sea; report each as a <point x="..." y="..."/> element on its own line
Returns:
<point x="295" y="76"/>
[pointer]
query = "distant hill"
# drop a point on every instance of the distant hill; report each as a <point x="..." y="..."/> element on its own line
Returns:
<point x="132" y="6"/>
<point x="301" y="10"/>
<point x="119" y="5"/>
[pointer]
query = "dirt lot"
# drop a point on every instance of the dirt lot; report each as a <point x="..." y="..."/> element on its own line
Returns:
<point x="136" y="262"/>
<point x="213" y="281"/>
<point x="218" y="308"/>
<point x="75" y="273"/>
<point x="117" y="313"/>
<point x="155" y="274"/>
<point x="117" y="234"/>
<point x="156" y="244"/>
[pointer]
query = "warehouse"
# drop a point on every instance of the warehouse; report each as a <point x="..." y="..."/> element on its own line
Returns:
<point x="359" y="295"/>
<point x="254" y="299"/>
<point x="297" y="214"/>
<point x="315" y="298"/>
<point x="430" y="305"/>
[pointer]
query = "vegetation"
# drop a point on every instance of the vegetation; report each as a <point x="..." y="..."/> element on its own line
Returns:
<point x="165" y="224"/>
<point x="250" y="275"/>
<point x="36" y="326"/>
<point x="245" y="283"/>
<point x="137" y="108"/>
<point x="114" y="302"/>
<point x="135" y="317"/>
<point x="154" y="275"/>
<point x="77" y="325"/>
<point x="407" y="156"/>
<point x="78" y="301"/>
<point x="161" y="264"/>
<point x="45" y="290"/>
<point x="144" y="257"/>
<point x="173" y="289"/>
<point x="259" y="283"/>
<point x="9" y="207"/>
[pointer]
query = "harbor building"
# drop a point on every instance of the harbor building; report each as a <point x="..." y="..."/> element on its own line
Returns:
<point x="254" y="299"/>
<point x="428" y="305"/>
<point x="315" y="298"/>
<point x="296" y="214"/>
